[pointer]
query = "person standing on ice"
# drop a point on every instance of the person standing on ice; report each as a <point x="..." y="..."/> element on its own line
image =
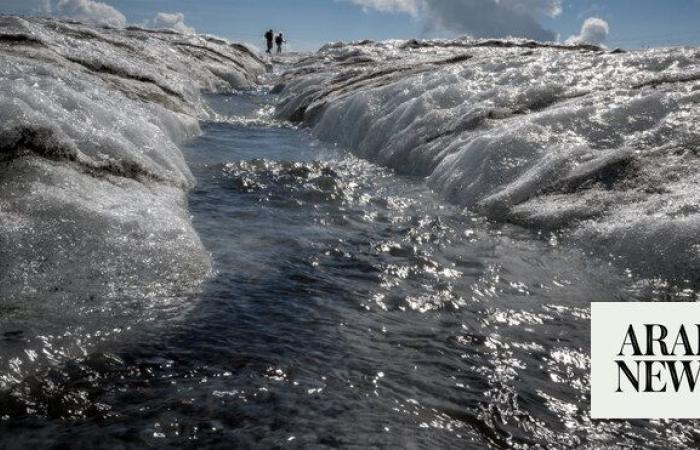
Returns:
<point x="268" y="37"/>
<point x="279" y="40"/>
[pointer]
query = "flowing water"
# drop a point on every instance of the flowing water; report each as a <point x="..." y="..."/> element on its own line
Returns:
<point x="350" y="307"/>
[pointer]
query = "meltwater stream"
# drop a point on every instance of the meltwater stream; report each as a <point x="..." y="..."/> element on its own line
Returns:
<point x="351" y="307"/>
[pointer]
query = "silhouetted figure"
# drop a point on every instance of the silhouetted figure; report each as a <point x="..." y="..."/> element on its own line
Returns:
<point x="269" y="36"/>
<point x="279" y="40"/>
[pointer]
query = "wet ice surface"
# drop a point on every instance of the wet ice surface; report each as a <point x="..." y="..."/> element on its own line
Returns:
<point x="95" y="234"/>
<point x="599" y="146"/>
<point x="350" y="307"/>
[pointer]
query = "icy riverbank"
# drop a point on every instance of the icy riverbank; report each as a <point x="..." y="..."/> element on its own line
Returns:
<point x="600" y="147"/>
<point x="93" y="183"/>
<point x="93" y="186"/>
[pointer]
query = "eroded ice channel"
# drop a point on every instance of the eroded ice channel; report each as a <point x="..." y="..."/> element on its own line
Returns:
<point x="347" y="304"/>
<point x="600" y="146"/>
<point x="94" y="224"/>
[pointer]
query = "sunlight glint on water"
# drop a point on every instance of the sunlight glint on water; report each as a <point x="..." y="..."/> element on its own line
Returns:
<point x="350" y="306"/>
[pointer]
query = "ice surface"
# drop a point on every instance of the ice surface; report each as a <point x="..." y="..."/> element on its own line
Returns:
<point x="91" y="118"/>
<point x="93" y="186"/>
<point x="601" y="146"/>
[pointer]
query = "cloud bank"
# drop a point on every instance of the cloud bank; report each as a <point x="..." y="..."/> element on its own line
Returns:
<point x="593" y="31"/>
<point x="478" y="18"/>
<point x="41" y="7"/>
<point x="404" y="6"/>
<point x="174" y="21"/>
<point x="83" y="10"/>
<point x="91" y="11"/>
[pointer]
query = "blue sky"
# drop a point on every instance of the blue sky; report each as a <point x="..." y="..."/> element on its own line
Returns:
<point x="309" y="23"/>
<point x="636" y="23"/>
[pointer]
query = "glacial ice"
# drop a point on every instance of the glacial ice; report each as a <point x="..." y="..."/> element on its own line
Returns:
<point x="91" y="117"/>
<point x="599" y="146"/>
<point x="93" y="186"/>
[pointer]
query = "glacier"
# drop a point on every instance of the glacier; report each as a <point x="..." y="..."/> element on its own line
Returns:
<point x="332" y="283"/>
<point x="595" y="146"/>
<point x="90" y="122"/>
<point x="93" y="185"/>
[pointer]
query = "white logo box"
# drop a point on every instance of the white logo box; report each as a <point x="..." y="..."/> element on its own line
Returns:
<point x="610" y="324"/>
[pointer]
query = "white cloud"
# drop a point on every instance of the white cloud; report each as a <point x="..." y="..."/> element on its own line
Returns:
<point x="402" y="6"/>
<point x="593" y="31"/>
<point x="538" y="8"/>
<point x="479" y="18"/>
<point x="43" y="7"/>
<point x="175" y="21"/>
<point x="91" y="11"/>
<point x="25" y="7"/>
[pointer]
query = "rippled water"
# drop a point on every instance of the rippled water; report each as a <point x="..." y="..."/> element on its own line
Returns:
<point x="350" y="307"/>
